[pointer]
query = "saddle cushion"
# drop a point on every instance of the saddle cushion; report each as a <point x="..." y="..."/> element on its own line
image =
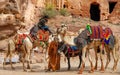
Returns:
<point x="43" y="35"/>
<point x="107" y="32"/>
<point x="72" y="49"/>
<point x="20" y="38"/>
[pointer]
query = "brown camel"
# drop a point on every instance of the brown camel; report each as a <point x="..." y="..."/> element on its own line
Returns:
<point x="25" y="48"/>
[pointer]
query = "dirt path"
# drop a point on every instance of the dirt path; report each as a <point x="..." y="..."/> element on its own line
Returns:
<point x="63" y="71"/>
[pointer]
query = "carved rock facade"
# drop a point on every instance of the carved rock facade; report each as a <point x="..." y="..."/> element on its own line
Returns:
<point x="94" y="9"/>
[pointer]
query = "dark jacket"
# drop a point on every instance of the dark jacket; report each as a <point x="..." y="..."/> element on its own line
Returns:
<point x="40" y="25"/>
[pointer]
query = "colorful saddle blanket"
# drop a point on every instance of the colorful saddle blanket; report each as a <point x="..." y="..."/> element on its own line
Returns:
<point x="43" y="35"/>
<point x="107" y="32"/>
<point x="97" y="32"/>
<point x="20" y="38"/>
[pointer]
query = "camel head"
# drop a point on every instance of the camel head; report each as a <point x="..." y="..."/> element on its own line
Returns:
<point x="62" y="30"/>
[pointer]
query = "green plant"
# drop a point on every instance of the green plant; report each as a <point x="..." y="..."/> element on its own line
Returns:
<point x="50" y="11"/>
<point x="64" y="12"/>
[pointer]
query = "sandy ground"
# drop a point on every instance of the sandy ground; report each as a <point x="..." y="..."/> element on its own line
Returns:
<point x="38" y="68"/>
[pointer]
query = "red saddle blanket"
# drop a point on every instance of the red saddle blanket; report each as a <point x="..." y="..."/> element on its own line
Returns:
<point x="20" y="38"/>
<point x="43" y="35"/>
<point x="97" y="32"/>
<point x="107" y="32"/>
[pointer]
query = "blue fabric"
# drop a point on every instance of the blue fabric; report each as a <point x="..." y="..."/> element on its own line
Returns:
<point x="73" y="47"/>
<point x="44" y="27"/>
<point x="107" y="41"/>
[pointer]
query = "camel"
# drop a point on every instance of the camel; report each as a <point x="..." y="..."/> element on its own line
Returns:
<point x="10" y="51"/>
<point x="101" y="45"/>
<point x="25" y="49"/>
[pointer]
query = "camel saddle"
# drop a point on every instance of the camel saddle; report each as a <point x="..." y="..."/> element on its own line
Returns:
<point x="43" y="35"/>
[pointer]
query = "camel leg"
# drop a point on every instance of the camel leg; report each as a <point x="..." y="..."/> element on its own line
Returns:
<point x="80" y="59"/>
<point x="90" y="60"/>
<point x="49" y="67"/>
<point x="68" y="58"/>
<point x="23" y="56"/>
<point x="4" y="63"/>
<point x="101" y="58"/>
<point x="28" y="61"/>
<point x="96" y="58"/>
<point x="83" y="60"/>
<point x="115" y="65"/>
<point x="23" y="61"/>
<point x="115" y="59"/>
<point x="11" y="61"/>
<point x="45" y="59"/>
<point x="108" y="59"/>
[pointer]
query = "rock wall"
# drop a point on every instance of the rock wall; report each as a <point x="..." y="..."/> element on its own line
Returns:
<point x="83" y="7"/>
<point x="114" y="17"/>
<point x="17" y="13"/>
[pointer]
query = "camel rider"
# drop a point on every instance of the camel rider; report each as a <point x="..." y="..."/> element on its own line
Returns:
<point x="40" y="25"/>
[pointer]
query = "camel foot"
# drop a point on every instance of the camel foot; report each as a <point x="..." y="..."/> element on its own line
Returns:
<point x="114" y="69"/>
<point x="95" y="68"/>
<point x="28" y="67"/>
<point x="92" y="70"/>
<point x="47" y="70"/>
<point x="25" y="70"/>
<point x="79" y="72"/>
<point x="68" y="69"/>
<point x="106" y="67"/>
<point x="102" y="70"/>
<point x="13" y="68"/>
<point x="32" y="70"/>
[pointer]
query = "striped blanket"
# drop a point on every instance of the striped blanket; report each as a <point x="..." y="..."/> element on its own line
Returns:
<point x="97" y="32"/>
